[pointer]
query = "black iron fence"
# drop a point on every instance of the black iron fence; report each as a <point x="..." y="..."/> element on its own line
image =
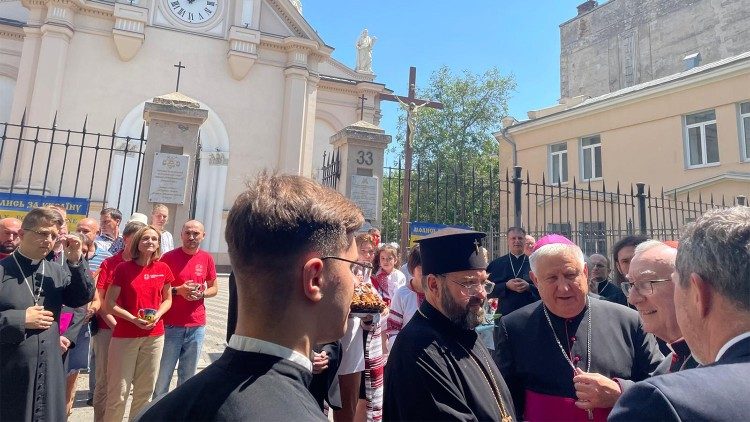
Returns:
<point x="446" y="195"/>
<point x="331" y="171"/>
<point x="589" y="214"/>
<point x="103" y="168"/>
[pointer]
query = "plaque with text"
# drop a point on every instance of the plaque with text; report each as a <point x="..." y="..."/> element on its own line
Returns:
<point x="168" y="178"/>
<point x="364" y="193"/>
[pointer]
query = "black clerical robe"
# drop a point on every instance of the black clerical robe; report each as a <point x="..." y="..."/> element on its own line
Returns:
<point x="241" y="386"/>
<point x="609" y="291"/>
<point x="505" y="268"/>
<point x="539" y="376"/>
<point x="437" y="371"/>
<point x="32" y="380"/>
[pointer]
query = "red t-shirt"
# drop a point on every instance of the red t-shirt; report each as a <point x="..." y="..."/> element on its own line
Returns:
<point x="141" y="288"/>
<point x="106" y="271"/>
<point x="198" y="268"/>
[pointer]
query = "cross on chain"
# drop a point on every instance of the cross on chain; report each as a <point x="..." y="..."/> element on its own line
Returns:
<point x="179" y="67"/>
<point x="411" y="104"/>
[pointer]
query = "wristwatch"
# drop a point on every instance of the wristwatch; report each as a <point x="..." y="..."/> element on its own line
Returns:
<point x="174" y="290"/>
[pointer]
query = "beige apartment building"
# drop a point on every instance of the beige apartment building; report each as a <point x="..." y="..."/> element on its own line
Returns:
<point x="647" y="97"/>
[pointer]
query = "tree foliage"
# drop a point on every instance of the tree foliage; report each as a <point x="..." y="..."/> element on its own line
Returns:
<point x="454" y="177"/>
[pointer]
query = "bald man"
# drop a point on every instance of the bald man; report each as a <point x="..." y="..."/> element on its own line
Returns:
<point x="195" y="279"/>
<point x="9" y="239"/>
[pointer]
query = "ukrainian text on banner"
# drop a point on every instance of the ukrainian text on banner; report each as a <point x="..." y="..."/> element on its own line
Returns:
<point x="18" y="205"/>
<point x="420" y="229"/>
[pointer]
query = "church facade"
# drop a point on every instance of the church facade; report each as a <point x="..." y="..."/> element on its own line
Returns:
<point x="274" y="93"/>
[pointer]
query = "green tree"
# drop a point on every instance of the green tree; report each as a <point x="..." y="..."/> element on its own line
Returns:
<point x="454" y="176"/>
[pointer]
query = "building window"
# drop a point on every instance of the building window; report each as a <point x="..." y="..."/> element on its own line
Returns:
<point x="560" y="228"/>
<point x="558" y="163"/>
<point x="591" y="157"/>
<point x="745" y="130"/>
<point x="701" y="138"/>
<point x="593" y="237"/>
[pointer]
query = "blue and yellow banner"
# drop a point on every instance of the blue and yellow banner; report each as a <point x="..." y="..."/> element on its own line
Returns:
<point x="18" y="205"/>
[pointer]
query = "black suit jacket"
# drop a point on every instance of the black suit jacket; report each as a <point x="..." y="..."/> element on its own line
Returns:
<point x="716" y="392"/>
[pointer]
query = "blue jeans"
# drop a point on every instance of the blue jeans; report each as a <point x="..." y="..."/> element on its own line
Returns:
<point x="181" y="344"/>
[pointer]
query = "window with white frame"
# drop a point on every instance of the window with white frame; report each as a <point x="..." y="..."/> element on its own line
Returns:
<point x="745" y="130"/>
<point x="702" y="141"/>
<point x="591" y="157"/>
<point x="558" y="163"/>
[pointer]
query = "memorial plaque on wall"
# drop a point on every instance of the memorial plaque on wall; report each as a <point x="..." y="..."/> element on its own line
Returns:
<point x="168" y="178"/>
<point x="364" y="193"/>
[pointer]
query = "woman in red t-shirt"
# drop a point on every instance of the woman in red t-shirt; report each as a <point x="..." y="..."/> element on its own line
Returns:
<point x="138" y="297"/>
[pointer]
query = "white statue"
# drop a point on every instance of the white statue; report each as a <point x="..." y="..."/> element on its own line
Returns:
<point x="364" y="52"/>
<point x="297" y="5"/>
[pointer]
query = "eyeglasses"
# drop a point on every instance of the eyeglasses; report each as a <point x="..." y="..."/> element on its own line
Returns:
<point x="644" y="288"/>
<point x="472" y="289"/>
<point x="44" y="234"/>
<point x="362" y="269"/>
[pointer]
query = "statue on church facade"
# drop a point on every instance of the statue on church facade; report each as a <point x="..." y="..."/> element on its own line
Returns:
<point x="364" y="52"/>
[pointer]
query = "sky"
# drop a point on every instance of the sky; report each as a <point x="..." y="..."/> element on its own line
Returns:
<point x="520" y="37"/>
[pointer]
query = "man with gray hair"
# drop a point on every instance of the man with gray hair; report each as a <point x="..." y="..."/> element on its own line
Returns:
<point x="559" y="356"/>
<point x="712" y="302"/>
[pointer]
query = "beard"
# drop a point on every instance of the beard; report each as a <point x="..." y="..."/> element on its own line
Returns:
<point x="7" y="248"/>
<point x="465" y="317"/>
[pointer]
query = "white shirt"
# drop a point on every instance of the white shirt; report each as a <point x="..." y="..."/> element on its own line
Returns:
<point x="249" y="344"/>
<point x="731" y="343"/>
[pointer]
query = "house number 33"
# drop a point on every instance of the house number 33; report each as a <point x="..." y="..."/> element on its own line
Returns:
<point x="364" y="157"/>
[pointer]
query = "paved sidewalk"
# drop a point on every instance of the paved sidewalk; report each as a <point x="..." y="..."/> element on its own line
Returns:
<point x="213" y="346"/>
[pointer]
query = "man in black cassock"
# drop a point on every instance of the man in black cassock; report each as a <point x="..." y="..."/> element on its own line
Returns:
<point x="510" y="273"/>
<point x="291" y="245"/>
<point x="599" y="271"/>
<point x="32" y="292"/>
<point x="559" y="356"/>
<point x="438" y="369"/>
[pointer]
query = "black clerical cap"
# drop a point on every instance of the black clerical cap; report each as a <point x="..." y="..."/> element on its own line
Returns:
<point x="450" y="249"/>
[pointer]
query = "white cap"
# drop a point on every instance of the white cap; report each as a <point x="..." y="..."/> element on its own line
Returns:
<point x="141" y="218"/>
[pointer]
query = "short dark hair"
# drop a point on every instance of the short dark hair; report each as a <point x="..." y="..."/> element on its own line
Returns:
<point x="633" y="240"/>
<point x="516" y="229"/>
<point x="717" y="248"/>
<point x="276" y="220"/>
<point x="414" y="260"/>
<point x="114" y="213"/>
<point x="131" y="228"/>
<point x="36" y="216"/>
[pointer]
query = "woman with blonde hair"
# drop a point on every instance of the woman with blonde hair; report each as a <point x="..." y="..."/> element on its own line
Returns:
<point x="139" y="296"/>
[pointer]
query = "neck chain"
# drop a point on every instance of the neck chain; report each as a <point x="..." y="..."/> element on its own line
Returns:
<point x="512" y="268"/>
<point x="562" y="349"/>
<point x="488" y="376"/>
<point x="589" y="412"/>
<point x="38" y="293"/>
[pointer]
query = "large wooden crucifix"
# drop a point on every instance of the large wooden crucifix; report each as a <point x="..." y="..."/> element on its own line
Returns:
<point x="179" y="67"/>
<point x="411" y="104"/>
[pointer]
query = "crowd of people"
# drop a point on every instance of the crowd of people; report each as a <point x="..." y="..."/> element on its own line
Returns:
<point x="126" y="306"/>
<point x="578" y="339"/>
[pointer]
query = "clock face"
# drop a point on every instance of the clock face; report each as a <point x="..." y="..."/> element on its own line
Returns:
<point x="193" y="11"/>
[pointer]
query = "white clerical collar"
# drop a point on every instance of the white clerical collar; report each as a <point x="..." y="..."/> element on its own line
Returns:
<point x="517" y="256"/>
<point x="249" y="344"/>
<point x="731" y="343"/>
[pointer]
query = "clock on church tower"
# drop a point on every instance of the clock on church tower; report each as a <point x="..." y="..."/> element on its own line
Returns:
<point x="206" y="17"/>
<point x="193" y="11"/>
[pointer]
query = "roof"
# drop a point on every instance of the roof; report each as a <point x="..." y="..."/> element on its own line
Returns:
<point x="647" y="87"/>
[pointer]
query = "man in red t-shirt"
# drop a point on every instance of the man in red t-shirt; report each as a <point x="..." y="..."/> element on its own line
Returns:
<point x="185" y="322"/>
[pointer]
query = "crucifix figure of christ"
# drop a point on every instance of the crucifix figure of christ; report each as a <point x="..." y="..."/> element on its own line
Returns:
<point x="411" y="105"/>
<point x="179" y="67"/>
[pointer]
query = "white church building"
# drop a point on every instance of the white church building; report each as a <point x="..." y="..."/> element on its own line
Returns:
<point x="273" y="92"/>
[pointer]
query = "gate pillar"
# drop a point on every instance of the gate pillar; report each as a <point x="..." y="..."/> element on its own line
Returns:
<point x="362" y="148"/>
<point x="168" y="173"/>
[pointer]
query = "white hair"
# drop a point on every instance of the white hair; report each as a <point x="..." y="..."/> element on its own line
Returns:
<point x="555" y="249"/>
<point x="648" y="245"/>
